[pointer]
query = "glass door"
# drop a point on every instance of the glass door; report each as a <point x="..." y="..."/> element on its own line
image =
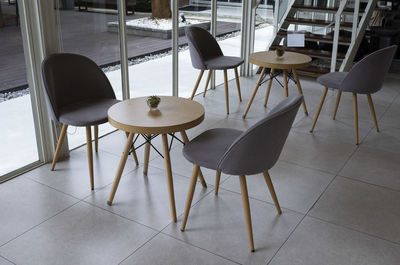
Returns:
<point x="18" y="145"/>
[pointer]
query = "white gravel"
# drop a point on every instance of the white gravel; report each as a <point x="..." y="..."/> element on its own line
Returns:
<point x="159" y="24"/>
<point x="10" y="95"/>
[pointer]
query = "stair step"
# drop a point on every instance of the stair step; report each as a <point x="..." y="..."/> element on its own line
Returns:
<point x="325" y="9"/>
<point x="321" y="38"/>
<point x="316" y="22"/>
<point x="313" y="53"/>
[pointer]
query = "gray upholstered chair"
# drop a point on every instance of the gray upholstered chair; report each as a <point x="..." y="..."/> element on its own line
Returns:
<point x="206" y="54"/>
<point x="366" y="77"/>
<point x="242" y="153"/>
<point x="78" y="93"/>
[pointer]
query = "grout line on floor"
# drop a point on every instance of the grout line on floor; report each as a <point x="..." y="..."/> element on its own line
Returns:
<point x="188" y="243"/>
<point x="305" y="215"/>
<point x="7" y="260"/>
<point x="33" y="227"/>
<point x="355" y="230"/>
<point x="142" y="245"/>
<point x="117" y="214"/>
<point x="47" y="186"/>
<point x="369" y="183"/>
<point x="315" y="202"/>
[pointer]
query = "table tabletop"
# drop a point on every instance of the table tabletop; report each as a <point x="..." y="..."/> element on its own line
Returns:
<point x="174" y="114"/>
<point x="289" y="60"/>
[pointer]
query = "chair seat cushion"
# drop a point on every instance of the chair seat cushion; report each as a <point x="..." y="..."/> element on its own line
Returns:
<point x="332" y="80"/>
<point x="86" y="113"/>
<point x="223" y="62"/>
<point x="207" y="149"/>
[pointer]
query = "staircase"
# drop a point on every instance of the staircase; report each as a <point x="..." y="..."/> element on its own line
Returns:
<point x="333" y="30"/>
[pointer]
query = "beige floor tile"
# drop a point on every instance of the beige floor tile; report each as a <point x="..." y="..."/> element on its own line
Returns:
<point x="367" y="208"/>
<point x="82" y="234"/>
<point x="315" y="242"/>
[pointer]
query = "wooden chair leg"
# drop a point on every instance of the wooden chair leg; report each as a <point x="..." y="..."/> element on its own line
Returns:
<point x="146" y="156"/>
<point x="197" y="84"/>
<point x="96" y="138"/>
<point x="238" y="84"/>
<point x="59" y="144"/>
<point x="121" y="167"/>
<point x="189" y="198"/>
<point x="207" y="82"/>
<point x="90" y="155"/>
<point x="246" y="208"/>
<point x="271" y="74"/>
<point x="371" y="106"/>
<point x="339" y="94"/>
<point x="226" y="91"/>
<point x="201" y="177"/>
<point x="133" y="151"/>
<point x="319" y="108"/>
<point x="355" y="107"/>
<point x="217" y="180"/>
<point x="267" y="178"/>
<point x="168" y="174"/>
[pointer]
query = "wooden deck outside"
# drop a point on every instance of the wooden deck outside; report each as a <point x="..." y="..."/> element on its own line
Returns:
<point x="84" y="33"/>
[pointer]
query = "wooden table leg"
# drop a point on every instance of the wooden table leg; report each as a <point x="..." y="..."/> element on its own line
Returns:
<point x="133" y="151"/>
<point x="146" y="155"/>
<point x="271" y="74"/>
<point x="254" y="92"/>
<point x="170" y="182"/>
<point x="285" y="83"/>
<point x="185" y="139"/>
<point x="121" y="167"/>
<point x="300" y="90"/>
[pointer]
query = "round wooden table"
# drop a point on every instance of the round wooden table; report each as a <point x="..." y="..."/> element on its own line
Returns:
<point x="289" y="61"/>
<point x="174" y="114"/>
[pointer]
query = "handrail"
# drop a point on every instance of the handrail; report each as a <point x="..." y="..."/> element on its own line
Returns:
<point x="336" y="34"/>
<point x="354" y="31"/>
<point x="364" y="22"/>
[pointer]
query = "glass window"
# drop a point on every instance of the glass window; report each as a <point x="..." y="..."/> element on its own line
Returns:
<point x="191" y="13"/>
<point x="18" y="146"/>
<point x="149" y="44"/>
<point x="90" y="28"/>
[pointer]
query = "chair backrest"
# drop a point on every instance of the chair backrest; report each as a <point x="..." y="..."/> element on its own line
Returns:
<point x="367" y="76"/>
<point x="71" y="78"/>
<point x="202" y="46"/>
<point x="258" y="148"/>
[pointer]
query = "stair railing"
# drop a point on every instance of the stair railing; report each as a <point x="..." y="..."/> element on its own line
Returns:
<point x="359" y="34"/>
<point x="281" y="11"/>
<point x="335" y="45"/>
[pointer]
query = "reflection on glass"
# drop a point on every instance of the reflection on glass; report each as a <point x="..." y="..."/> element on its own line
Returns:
<point x="18" y="145"/>
<point x="90" y="28"/>
<point x="264" y="25"/>
<point x="229" y="17"/>
<point x="190" y="14"/>
<point x="149" y="49"/>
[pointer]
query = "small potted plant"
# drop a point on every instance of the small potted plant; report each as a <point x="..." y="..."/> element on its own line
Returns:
<point x="280" y="51"/>
<point x="153" y="102"/>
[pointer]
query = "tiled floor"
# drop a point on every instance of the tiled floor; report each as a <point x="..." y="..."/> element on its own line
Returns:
<point x="341" y="202"/>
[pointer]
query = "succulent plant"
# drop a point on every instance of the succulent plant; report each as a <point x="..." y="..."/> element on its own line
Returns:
<point x="280" y="51"/>
<point x="153" y="101"/>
